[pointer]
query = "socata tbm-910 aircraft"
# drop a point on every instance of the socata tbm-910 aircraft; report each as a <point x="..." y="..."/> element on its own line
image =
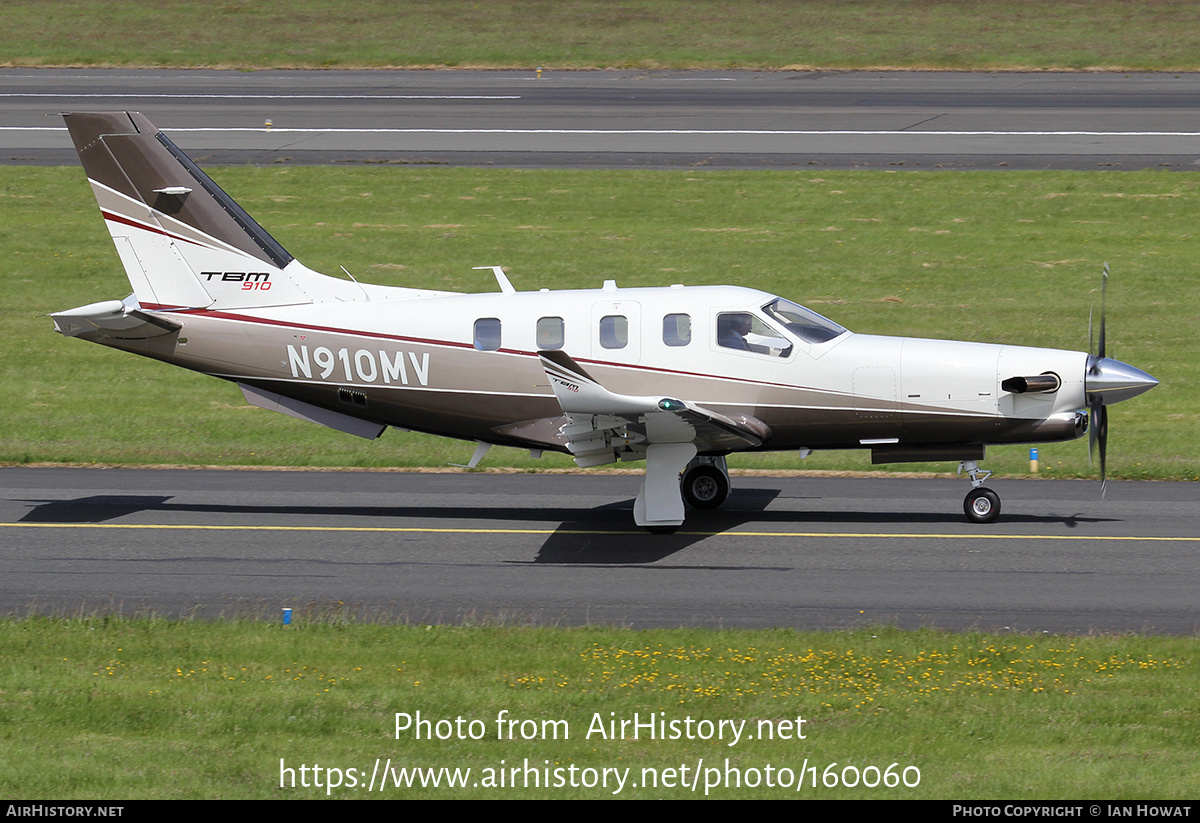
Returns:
<point x="678" y="376"/>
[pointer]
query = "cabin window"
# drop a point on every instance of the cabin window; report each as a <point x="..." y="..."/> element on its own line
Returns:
<point x="487" y="333"/>
<point x="550" y="333"/>
<point x="614" y="331"/>
<point x="745" y="332"/>
<point x="677" y="329"/>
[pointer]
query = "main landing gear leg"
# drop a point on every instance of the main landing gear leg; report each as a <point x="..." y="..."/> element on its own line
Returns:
<point x="982" y="505"/>
<point x="659" y="505"/>
<point x="705" y="482"/>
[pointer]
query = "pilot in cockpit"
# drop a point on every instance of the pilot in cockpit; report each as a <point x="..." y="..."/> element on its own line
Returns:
<point x="732" y="330"/>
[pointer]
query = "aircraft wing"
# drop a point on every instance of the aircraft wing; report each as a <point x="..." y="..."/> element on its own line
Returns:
<point x="605" y="426"/>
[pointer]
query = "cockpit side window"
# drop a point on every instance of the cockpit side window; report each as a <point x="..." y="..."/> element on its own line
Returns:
<point x="744" y="331"/>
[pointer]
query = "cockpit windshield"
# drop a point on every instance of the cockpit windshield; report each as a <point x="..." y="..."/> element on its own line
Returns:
<point x="804" y="323"/>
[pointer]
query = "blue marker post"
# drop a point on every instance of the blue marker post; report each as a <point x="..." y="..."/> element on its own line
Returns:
<point x="287" y="617"/>
<point x="1033" y="461"/>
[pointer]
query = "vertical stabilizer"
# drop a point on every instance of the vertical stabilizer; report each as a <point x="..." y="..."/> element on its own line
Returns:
<point x="183" y="241"/>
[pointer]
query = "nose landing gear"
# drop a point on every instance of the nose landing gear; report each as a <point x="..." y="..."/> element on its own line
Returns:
<point x="981" y="505"/>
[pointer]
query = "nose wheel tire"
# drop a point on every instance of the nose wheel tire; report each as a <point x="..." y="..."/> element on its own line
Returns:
<point x="705" y="487"/>
<point x="982" y="505"/>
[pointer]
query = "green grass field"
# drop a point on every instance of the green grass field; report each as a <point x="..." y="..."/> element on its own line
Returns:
<point x="1009" y="257"/>
<point x="112" y="709"/>
<point x="1156" y="35"/>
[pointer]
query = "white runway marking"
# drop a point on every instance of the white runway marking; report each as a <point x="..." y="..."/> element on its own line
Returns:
<point x="275" y="96"/>
<point x="765" y="132"/>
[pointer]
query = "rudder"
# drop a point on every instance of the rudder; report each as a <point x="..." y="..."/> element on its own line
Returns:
<point x="183" y="241"/>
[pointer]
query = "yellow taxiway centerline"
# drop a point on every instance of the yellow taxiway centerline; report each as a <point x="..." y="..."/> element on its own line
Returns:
<point x="431" y="530"/>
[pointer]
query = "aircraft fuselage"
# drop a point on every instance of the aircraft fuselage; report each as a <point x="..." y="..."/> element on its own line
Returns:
<point x="414" y="364"/>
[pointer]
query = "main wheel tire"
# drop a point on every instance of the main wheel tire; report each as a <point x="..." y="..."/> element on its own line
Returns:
<point x="982" y="505"/>
<point x="705" y="487"/>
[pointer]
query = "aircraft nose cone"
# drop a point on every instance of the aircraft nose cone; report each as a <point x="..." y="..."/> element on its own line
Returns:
<point x="1111" y="381"/>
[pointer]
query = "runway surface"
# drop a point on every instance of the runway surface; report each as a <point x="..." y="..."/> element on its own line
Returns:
<point x="603" y="119"/>
<point x="553" y="549"/>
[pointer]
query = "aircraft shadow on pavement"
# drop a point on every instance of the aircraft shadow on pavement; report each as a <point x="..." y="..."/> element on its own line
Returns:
<point x="95" y="509"/>
<point x="602" y="535"/>
<point x="105" y="508"/>
<point x="578" y="541"/>
<point x="573" y="543"/>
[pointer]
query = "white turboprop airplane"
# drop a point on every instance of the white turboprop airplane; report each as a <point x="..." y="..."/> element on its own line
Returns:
<point x="679" y="377"/>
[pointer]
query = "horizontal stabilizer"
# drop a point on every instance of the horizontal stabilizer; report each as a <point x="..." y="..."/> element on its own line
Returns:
<point x="112" y="319"/>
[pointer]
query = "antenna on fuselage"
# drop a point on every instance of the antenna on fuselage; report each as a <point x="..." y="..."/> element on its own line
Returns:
<point x="501" y="278"/>
<point x="352" y="277"/>
<point x="480" y="450"/>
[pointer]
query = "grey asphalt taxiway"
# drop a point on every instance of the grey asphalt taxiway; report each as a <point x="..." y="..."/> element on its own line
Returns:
<point x="588" y="119"/>
<point x="552" y="549"/>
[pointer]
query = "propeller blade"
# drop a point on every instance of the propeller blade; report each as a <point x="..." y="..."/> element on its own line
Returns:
<point x="1091" y="311"/>
<point x="1093" y="432"/>
<point x="1103" y="310"/>
<point x="1097" y="413"/>
<point x="1107" y="381"/>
